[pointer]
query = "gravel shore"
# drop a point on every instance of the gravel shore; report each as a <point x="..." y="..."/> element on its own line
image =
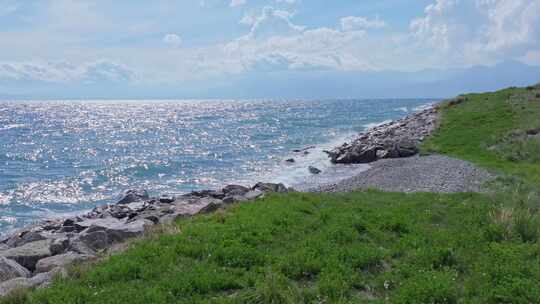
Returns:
<point x="434" y="173"/>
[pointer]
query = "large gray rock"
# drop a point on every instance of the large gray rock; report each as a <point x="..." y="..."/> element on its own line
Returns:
<point x="40" y="280"/>
<point x="232" y="190"/>
<point x="62" y="260"/>
<point x="59" y="245"/>
<point x="10" y="286"/>
<point x="134" y="196"/>
<point x="95" y="240"/>
<point x="28" y="254"/>
<point x="24" y="238"/>
<point x="10" y="269"/>
<point x="101" y="233"/>
<point x="270" y="187"/>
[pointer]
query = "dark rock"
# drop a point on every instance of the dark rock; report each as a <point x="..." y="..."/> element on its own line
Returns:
<point x="10" y="269"/>
<point x="314" y="170"/>
<point x="24" y="238"/>
<point x="28" y="254"/>
<point x="533" y="132"/>
<point x="270" y="187"/>
<point x="356" y="155"/>
<point x="304" y="149"/>
<point x="68" y="223"/>
<point x="290" y="160"/>
<point x="59" y="246"/>
<point x="231" y="190"/>
<point x="79" y="246"/>
<point x="95" y="240"/>
<point x="134" y="196"/>
<point x="62" y="260"/>
<point x="65" y="229"/>
<point x="166" y="199"/>
<point x="115" y="230"/>
<point x="207" y="193"/>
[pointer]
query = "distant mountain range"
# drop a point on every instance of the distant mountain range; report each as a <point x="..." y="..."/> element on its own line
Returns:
<point x="297" y="84"/>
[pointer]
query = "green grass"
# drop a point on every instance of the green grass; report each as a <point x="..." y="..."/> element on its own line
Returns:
<point x="365" y="247"/>
<point x="307" y="248"/>
<point x="488" y="129"/>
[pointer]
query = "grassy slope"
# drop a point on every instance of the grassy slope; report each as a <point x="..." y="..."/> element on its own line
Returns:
<point x="345" y="248"/>
<point x="468" y="130"/>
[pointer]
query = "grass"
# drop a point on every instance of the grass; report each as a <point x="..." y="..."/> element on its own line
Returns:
<point x="307" y="248"/>
<point x="489" y="130"/>
<point x="364" y="247"/>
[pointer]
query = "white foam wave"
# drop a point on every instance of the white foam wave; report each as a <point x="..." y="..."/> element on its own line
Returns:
<point x="376" y="124"/>
<point x="11" y="126"/>
<point x="423" y="107"/>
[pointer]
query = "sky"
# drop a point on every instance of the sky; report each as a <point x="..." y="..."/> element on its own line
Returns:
<point x="203" y="48"/>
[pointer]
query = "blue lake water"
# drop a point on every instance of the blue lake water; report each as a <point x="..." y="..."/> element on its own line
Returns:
<point x="66" y="157"/>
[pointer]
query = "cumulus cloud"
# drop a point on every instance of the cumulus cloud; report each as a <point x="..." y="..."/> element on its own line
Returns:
<point x="477" y="29"/>
<point x="275" y="40"/>
<point x="172" y="40"/>
<point x="361" y="23"/>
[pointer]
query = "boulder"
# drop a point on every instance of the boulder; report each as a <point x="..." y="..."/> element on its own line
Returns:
<point x="28" y="254"/>
<point x="12" y="285"/>
<point x="314" y="170"/>
<point x="102" y="232"/>
<point x="231" y="190"/>
<point x="79" y="246"/>
<point x="59" y="246"/>
<point x="189" y="208"/>
<point x="290" y="160"/>
<point x="270" y="187"/>
<point x="359" y="154"/>
<point x="10" y="269"/>
<point x="62" y="260"/>
<point x="95" y="240"/>
<point x="134" y="196"/>
<point x="24" y="238"/>
<point x="253" y="194"/>
<point x="42" y="280"/>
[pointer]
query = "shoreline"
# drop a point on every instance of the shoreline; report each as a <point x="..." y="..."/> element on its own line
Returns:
<point x="37" y="253"/>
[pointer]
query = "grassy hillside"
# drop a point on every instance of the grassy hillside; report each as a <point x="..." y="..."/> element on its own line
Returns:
<point x="365" y="247"/>
<point x="490" y="129"/>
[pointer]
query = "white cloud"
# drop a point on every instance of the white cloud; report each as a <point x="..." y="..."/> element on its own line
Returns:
<point x="479" y="31"/>
<point x="360" y="23"/>
<point x="65" y="72"/>
<point x="274" y="40"/>
<point x="172" y="40"/>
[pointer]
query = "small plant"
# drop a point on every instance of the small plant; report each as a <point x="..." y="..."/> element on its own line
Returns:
<point x="520" y="221"/>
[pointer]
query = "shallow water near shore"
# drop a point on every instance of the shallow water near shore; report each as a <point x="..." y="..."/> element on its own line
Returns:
<point x="65" y="157"/>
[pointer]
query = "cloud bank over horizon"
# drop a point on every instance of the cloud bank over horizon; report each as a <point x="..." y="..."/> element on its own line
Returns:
<point x="201" y="46"/>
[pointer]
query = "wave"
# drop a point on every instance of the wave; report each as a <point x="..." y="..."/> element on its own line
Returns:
<point x="376" y="124"/>
<point x="12" y="126"/>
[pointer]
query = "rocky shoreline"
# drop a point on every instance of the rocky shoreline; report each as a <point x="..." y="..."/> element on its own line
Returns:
<point x="396" y="139"/>
<point x="31" y="257"/>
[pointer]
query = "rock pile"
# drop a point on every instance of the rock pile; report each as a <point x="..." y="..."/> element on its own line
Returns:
<point x="399" y="138"/>
<point x="32" y="256"/>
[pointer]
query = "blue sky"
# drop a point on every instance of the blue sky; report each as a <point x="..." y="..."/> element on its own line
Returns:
<point x="73" y="46"/>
